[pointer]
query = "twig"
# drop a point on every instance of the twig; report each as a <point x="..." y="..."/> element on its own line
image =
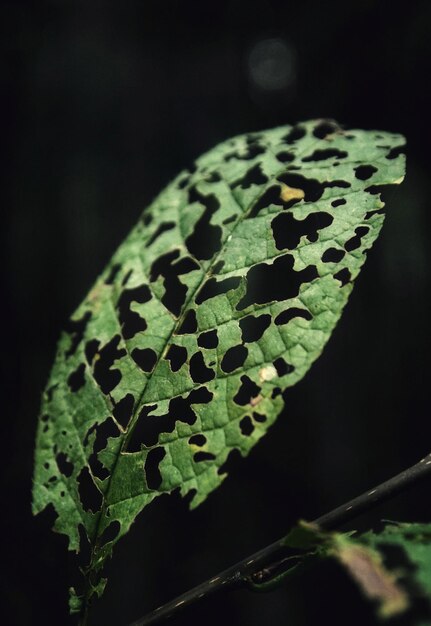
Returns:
<point x="264" y="564"/>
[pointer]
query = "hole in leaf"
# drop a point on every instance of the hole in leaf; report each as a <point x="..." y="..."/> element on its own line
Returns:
<point x="364" y="172"/>
<point x="198" y="440"/>
<point x="230" y="219"/>
<point x="270" y="196"/>
<point x="200" y="396"/>
<point x="258" y="417"/>
<point x="123" y="410"/>
<point x="149" y="427"/>
<point x="212" y="288"/>
<point x="289" y="314"/>
<point x="252" y="328"/>
<point x="90" y="496"/>
<point x="77" y="329"/>
<point x="200" y="456"/>
<point x="97" y="467"/>
<point x="246" y="426"/>
<point x="147" y="218"/>
<point x="162" y="228"/>
<point x="287" y="230"/>
<point x="49" y="394"/>
<point x="322" y="155"/>
<point x="177" y="356"/>
<point x="217" y="268"/>
<point x="110" y="533"/>
<point x="104" y="430"/>
<point x="126" y="278"/>
<point x="189" y="324"/>
<point x="254" y="176"/>
<point x="355" y="242"/>
<point x="131" y="322"/>
<point x="295" y="134"/>
<point x="338" y="202"/>
<point x="285" y="157"/>
<point x="175" y="291"/>
<point x="112" y="274"/>
<point x="145" y="358"/>
<point x="91" y="349"/>
<point x="234" y="358"/>
<point x="205" y="240"/>
<point x="283" y="367"/>
<point x="152" y="472"/>
<point x="252" y="151"/>
<point x="182" y="184"/>
<point x="64" y="465"/>
<point x="332" y="255"/>
<point x="248" y="390"/>
<point x="312" y="188"/>
<point x="276" y="281"/>
<point x="199" y="372"/>
<point x="76" y="379"/>
<point x="208" y="339"/>
<point x="106" y="377"/>
<point x="325" y="128"/>
<point x="213" y="177"/>
<point x="343" y="276"/>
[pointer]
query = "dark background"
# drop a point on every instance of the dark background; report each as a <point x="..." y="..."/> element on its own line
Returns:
<point x="102" y="104"/>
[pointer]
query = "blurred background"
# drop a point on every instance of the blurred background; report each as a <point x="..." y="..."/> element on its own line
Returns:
<point x="102" y="104"/>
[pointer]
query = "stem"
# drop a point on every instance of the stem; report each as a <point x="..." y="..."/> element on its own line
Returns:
<point x="84" y="617"/>
<point x="262" y="565"/>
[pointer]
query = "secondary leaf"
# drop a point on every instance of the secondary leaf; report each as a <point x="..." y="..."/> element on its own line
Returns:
<point x="392" y="568"/>
<point x="414" y="540"/>
<point x="221" y="297"/>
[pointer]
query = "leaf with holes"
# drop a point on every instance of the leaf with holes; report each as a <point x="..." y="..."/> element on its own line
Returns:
<point x="220" y="298"/>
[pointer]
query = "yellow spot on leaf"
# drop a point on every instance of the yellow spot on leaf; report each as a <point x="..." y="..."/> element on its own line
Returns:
<point x="291" y="193"/>
<point x="267" y="373"/>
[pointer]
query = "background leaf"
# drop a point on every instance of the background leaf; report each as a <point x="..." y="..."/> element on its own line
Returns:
<point x="220" y="298"/>
<point x="392" y="567"/>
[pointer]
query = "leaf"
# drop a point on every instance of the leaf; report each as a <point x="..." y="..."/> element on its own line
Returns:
<point x="366" y="568"/>
<point x="392" y="580"/>
<point x="415" y="542"/>
<point x="221" y="297"/>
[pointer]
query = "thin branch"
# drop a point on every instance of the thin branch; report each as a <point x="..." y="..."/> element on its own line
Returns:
<point x="264" y="564"/>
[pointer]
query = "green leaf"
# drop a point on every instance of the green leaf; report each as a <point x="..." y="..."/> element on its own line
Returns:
<point x="220" y="298"/>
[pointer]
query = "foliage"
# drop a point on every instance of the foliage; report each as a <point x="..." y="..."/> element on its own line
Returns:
<point x="391" y="584"/>
<point x="220" y="298"/>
